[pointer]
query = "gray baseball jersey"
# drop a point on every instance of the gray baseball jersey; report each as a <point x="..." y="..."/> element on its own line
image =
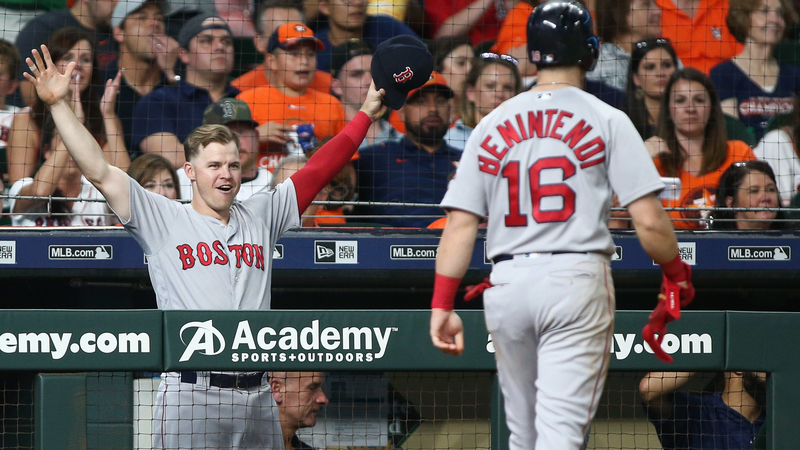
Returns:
<point x="196" y="262"/>
<point x="543" y="166"/>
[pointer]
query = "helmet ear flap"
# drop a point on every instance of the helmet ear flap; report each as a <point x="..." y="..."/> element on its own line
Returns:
<point x="593" y="45"/>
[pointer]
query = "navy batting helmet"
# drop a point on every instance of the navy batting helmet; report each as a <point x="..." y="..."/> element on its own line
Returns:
<point x="561" y="33"/>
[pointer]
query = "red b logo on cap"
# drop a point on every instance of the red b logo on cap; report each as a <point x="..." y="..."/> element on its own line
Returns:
<point x="403" y="76"/>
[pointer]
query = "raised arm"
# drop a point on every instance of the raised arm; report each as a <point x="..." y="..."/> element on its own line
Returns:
<point x="53" y="87"/>
<point x="655" y="388"/>
<point x="114" y="148"/>
<point x="332" y="157"/>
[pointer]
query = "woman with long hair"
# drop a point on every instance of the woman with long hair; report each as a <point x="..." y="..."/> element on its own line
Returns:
<point x="749" y="184"/>
<point x="33" y="131"/>
<point x="39" y="164"/>
<point x="492" y="80"/>
<point x="753" y="87"/>
<point x="691" y="144"/>
<point x="652" y="63"/>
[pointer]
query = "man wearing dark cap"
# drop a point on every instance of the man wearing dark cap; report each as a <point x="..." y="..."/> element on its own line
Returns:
<point x="235" y="115"/>
<point x="288" y="102"/>
<point x="163" y="118"/>
<point x="414" y="169"/>
<point x="350" y="67"/>
<point x="146" y="56"/>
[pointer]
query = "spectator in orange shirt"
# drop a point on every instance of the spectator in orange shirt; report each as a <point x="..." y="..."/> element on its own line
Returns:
<point x="699" y="33"/>
<point x="691" y="144"/>
<point x="287" y="101"/>
<point x="512" y="39"/>
<point x="271" y="15"/>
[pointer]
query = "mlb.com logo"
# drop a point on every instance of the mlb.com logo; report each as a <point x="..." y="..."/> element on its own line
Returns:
<point x="336" y="252"/>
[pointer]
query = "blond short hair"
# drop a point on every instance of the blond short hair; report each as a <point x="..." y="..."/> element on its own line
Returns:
<point x="207" y="134"/>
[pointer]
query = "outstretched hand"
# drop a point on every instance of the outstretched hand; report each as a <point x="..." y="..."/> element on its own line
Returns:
<point x="51" y="85"/>
<point x="447" y="331"/>
<point x="373" y="106"/>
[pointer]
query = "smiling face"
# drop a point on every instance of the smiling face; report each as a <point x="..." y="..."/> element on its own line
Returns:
<point x="767" y="24"/>
<point x="81" y="54"/>
<point x="217" y="176"/>
<point x="654" y="71"/>
<point x="757" y="190"/>
<point x="690" y="108"/>
<point x="495" y="85"/>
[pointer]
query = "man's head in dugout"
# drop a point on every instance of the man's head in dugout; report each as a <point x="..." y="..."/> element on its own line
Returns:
<point x="299" y="397"/>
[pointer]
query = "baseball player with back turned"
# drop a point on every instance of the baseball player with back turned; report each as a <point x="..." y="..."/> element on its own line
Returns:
<point x="542" y="167"/>
<point x="210" y="254"/>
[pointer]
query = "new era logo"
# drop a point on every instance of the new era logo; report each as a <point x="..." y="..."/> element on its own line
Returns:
<point x="277" y="251"/>
<point x="336" y="252"/>
<point x="403" y="76"/>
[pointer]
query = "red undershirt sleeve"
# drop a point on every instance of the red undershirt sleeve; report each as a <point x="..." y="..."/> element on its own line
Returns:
<point x="329" y="160"/>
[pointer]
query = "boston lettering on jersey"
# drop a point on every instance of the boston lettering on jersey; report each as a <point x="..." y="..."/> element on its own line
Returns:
<point x="247" y="254"/>
<point x="546" y="124"/>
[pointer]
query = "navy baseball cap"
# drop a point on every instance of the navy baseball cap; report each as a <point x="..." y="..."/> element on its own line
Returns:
<point x="400" y="65"/>
<point x="194" y="26"/>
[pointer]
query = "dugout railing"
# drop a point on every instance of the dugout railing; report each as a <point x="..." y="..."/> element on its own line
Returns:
<point x="58" y="347"/>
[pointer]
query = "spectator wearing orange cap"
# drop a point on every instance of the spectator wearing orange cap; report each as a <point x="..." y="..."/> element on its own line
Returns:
<point x="414" y="169"/>
<point x="512" y="38"/>
<point x="288" y="101"/>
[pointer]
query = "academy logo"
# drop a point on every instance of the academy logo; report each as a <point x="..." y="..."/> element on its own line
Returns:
<point x="413" y="252"/>
<point x="277" y="251"/>
<point x="617" y="256"/>
<point x="760" y="253"/>
<point x="312" y="344"/>
<point x="204" y="339"/>
<point x="81" y="252"/>
<point x="8" y="252"/>
<point x="336" y="252"/>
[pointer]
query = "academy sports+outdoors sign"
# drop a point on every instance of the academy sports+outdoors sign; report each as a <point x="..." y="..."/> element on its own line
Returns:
<point x="56" y="340"/>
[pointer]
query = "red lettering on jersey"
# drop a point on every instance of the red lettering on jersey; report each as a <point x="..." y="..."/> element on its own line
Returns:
<point x="237" y="249"/>
<point x="577" y="133"/>
<point x="550" y="113"/>
<point x="509" y="134"/>
<point x="492" y="149"/>
<point x="589" y="149"/>
<point x="592" y="163"/>
<point x="204" y="254"/>
<point x="535" y="123"/>
<point x="222" y="256"/>
<point x="247" y="252"/>
<point x="185" y="255"/>
<point x="559" y="123"/>
<point x="521" y="126"/>
<point x="490" y="166"/>
<point x="259" y="256"/>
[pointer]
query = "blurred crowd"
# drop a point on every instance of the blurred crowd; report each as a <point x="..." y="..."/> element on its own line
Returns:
<point x="709" y="85"/>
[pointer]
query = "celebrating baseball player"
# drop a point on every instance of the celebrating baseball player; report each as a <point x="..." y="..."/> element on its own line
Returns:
<point x="542" y="167"/>
<point x="210" y="254"/>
